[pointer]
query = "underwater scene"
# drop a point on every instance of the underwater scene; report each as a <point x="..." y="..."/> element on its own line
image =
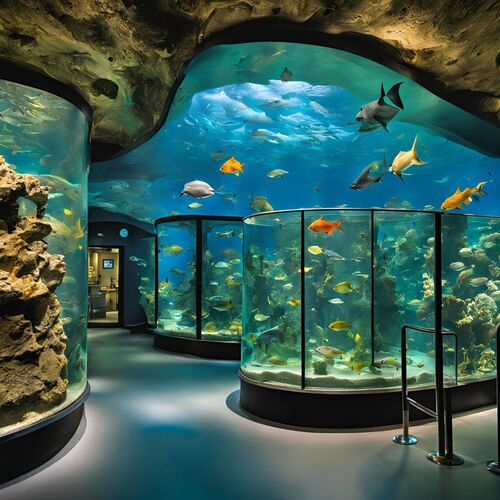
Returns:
<point x="208" y="250"/>
<point x="285" y="125"/>
<point x="344" y="346"/>
<point x="45" y="137"/>
<point x="146" y="270"/>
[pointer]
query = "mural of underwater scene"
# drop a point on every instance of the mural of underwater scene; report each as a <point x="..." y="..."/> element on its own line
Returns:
<point x="282" y="125"/>
<point x="221" y="278"/>
<point x="343" y="349"/>
<point x="43" y="139"/>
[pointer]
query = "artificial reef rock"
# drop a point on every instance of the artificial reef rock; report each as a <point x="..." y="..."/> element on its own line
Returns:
<point x="126" y="57"/>
<point x="32" y="339"/>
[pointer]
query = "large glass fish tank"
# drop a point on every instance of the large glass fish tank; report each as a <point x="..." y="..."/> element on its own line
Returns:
<point x="44" y="143"/>
<point x="326" y="293"/>
<point x="199" y="283"/>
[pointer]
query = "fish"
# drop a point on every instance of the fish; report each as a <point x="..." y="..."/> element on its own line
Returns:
<point x="336" y="301"/>
<point x="173" y="249"/>
<point x="323" y="226"/>
<point x="277" y="173"/>
<point x="456" y="266"/>
<point x="465" y="252"/>
<point x="261" y="317"/>
<point x="276" y="360"/>
<point x="316" y="188"/>
<point x="315" y="250"/>
<point x="67" y="211"/>
<point x="319" y="108"/>
<point x="329" y="352"/>
<point x="294" y="302"/>
<point x="197" y="189"/>
<point x="261" y="204"/>
<point x="376" y="114"/>
<point x="333" y="255"/>
<point x="58" y="184"/>
<point x="477" y="282"/>
<point x="140" y="262"/>
<point x="420" y="364"/>
<point x="339" y="325"/>
<point x="210" y="327"/>
<point x="218" y="155"/>
<point x="345" y="287"/>
<point x="286" y="75"/>
<point x="390" y="361"/>
<point x="442" y="180"/>
<point x="465" y="274"/>
<point x="414" y="302"/>
<point x="227" y="234"/>
<point x="358" y="365"/>
<point x="220" y="303"/>
<point x="306" y="269"/>
<point x="195" y="205"/>
<point x="222" y="265"/>
<point x="357" y="338"/>
<point x="176" y="270"/>
<point x="364" y="180"/>
<point x="405" y="159"/>
<point x="232" y="166"/>
<point x="230" y="197"/>
<point x="456" y="200"/>
<point x="280" y="277"/>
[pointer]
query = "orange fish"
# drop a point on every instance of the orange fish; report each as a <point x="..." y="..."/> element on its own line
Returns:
<point x="232" y="166"/>
<point x="323" y="226"/>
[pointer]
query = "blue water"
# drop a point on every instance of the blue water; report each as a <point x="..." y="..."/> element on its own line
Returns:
<point x="243" y="109"/>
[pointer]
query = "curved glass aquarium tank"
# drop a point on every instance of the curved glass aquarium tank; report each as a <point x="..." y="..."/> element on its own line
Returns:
<point x="199" y="282"/>
<point x="327" y="291"/>
<point x="44" y="163"/>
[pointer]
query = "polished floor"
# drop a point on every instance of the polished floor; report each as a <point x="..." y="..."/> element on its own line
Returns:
<point x="164" y="426"/>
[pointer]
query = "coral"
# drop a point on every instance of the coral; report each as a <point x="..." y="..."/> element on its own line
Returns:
<point x="320" y="367"/>
<point x="32" y="339"/>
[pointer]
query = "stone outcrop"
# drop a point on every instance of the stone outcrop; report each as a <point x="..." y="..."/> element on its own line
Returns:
<point x="32" y="339"/>
<point x="126" y="57"/>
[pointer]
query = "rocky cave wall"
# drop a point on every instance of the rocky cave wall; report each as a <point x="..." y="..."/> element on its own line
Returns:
<point x="124" y="57"/>
<point x="32" y="340"/>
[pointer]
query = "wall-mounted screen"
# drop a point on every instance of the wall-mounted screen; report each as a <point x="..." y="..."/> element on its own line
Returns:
<point x="108" y="263"/>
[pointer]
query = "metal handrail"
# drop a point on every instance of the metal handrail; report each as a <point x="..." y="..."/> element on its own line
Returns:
<point x="444" y="455"/>
<point x="494" y="465"/>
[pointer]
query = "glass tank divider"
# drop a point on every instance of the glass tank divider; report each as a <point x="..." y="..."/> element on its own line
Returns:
<point x="420" y="242"/>
<point x="201" y="338"/>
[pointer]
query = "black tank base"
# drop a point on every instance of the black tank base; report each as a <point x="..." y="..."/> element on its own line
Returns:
<point x="29" y="448"/>
<point x="351" y="410"/>
<point x="210" y="349"/>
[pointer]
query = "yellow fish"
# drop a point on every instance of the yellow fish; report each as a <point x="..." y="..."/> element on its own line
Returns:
<point x="195" y="205"/>
<point x="344" y="287"/>
<point x="357" y="338"/>
<point x="456" y="200"/>
<point x="67" y="211"/>
<point x="210" y="327"/>
<point x="232" y="282"/>
<point x="173" y="250"/>
<point x="339" y="325"/>
<point x="315" y="250"/>
<point x="405" y="159"/>
<point x="232" y="166"/>
<point x="276" y="360"/>
<point x="79" y="233"/>
<point x="280" y="277"/>
<point x="306" y="269"/>
<point x="261" y="204"/>
<point x="358" y="365"/>
<point x="294" y="302"/>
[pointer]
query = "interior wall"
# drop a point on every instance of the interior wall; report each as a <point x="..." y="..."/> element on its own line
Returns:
<point x="106" y="234"/>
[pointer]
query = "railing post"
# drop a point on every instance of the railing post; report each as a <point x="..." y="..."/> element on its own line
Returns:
<point x="404" y="438"/>
<point x="494" y="465"/>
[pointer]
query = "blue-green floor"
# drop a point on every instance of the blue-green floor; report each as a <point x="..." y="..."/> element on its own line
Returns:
<point x="163" y="426"/>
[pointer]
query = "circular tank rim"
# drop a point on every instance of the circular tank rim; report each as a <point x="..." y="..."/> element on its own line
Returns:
<point x="32" y="441"/>
<point x="15" y="73"/>
<point x="368" y="209"/>
<point x="349" y="409"/>
<point x="195" y="217"/>
<point x="229" y="350"/>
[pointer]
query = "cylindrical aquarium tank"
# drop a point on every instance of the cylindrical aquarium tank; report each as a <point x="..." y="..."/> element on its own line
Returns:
<point x="198" y="285"/>
<point x="44" y="161"/>
<point x="326" y="293"/>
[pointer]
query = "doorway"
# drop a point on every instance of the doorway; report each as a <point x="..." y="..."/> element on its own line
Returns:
<point x="105" y="287"/>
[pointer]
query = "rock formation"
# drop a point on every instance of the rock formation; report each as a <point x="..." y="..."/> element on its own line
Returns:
<point x="126" y="57"/>
<point x="32" y="339"/>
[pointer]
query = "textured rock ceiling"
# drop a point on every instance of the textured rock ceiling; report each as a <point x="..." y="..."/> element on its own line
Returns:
<point x="126" y="57"/>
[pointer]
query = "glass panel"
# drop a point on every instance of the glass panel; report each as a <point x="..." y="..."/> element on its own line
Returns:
<point x="222" y="280"/>
<point x="47" y="137"/>
<point x="147" y="278"/>
<point x="337" y="299"/>
<point x="177" y="278"/>
<point x="271" y="343"/>
<point x="404" y="294"/>
<point x="471" y="276"/>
